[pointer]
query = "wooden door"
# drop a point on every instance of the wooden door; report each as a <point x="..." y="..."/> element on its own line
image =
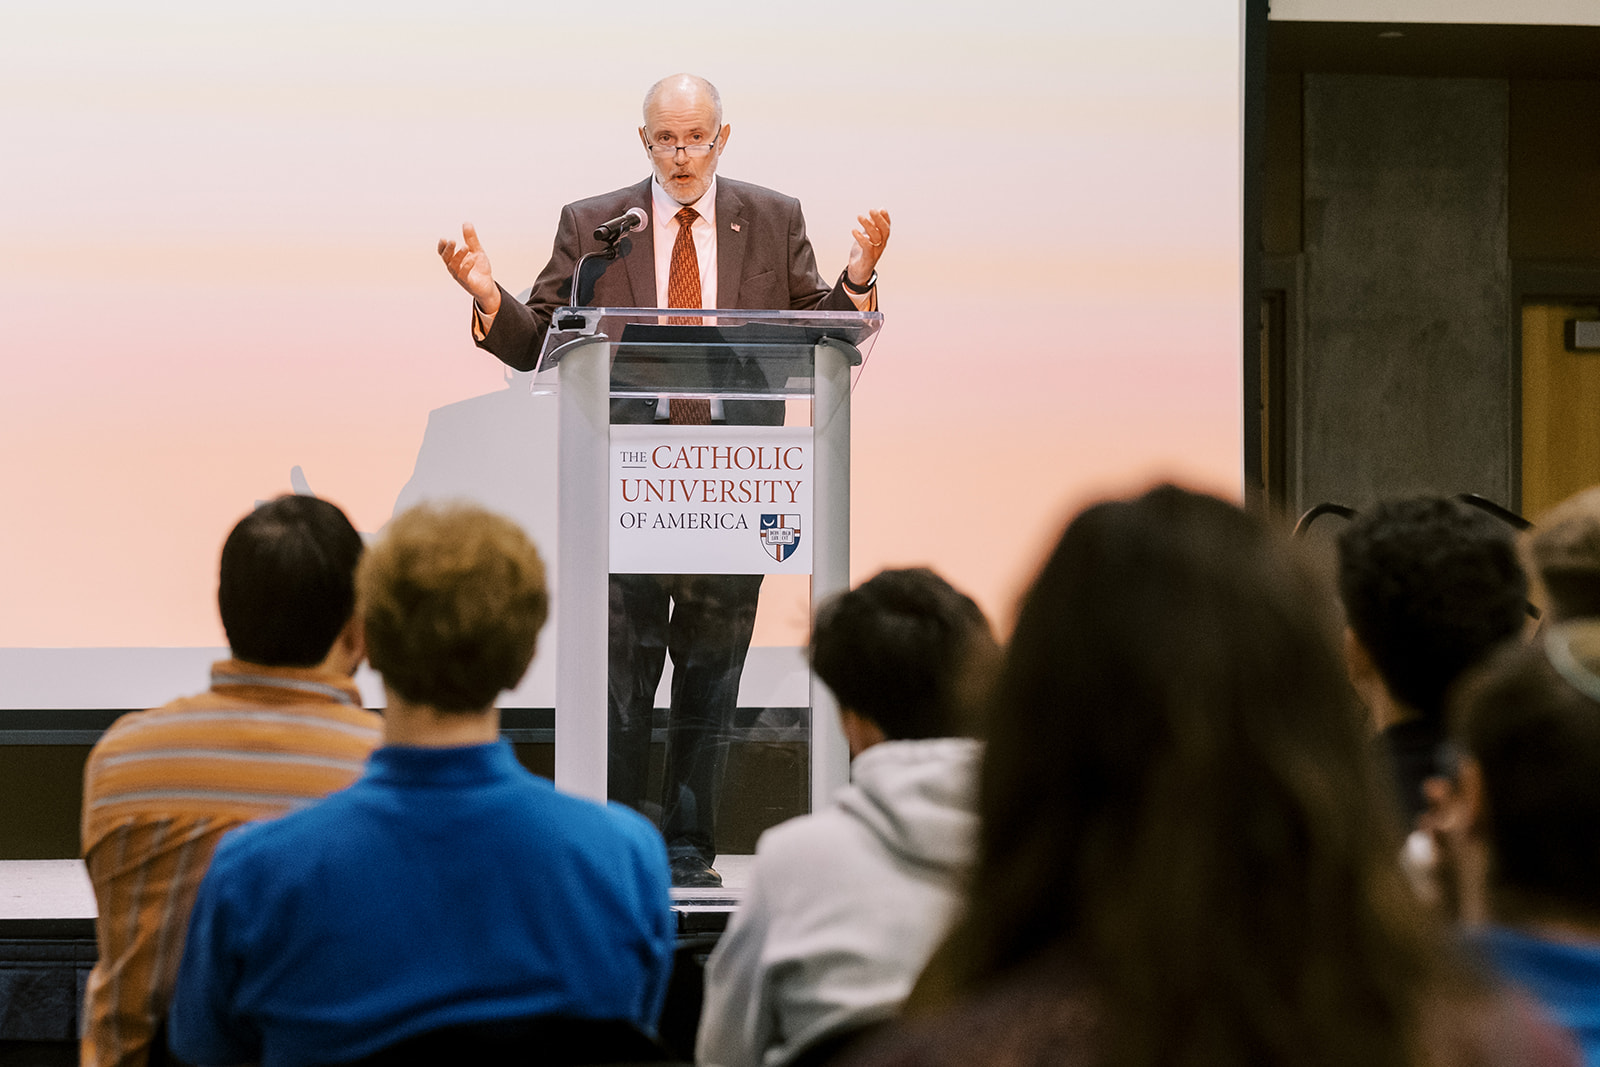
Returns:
<point x="1560" y="408"/>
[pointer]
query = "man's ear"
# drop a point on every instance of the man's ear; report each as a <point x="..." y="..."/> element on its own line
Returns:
<point x="1357" y="660"/>
<point x="1364" y="676"/>
<point x="1473" y="804"/>
<point x="860" y="732"/>
<point x="1456" y="820"/>
<point x="349" y="648"/>
<point x="1457" y="807"/>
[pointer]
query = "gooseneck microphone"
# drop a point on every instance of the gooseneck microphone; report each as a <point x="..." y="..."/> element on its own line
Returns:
<point x="611" y="231"/>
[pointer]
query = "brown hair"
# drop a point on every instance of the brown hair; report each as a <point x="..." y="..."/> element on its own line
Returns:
<point x="1178" y="802"/>
<point x="1535" y="735"/>
<point x="452" y="600"/>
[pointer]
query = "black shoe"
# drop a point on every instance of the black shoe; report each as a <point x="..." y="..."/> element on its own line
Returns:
<point x="692" y="872"/>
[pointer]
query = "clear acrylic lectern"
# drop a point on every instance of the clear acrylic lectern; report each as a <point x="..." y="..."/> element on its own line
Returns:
<point x="757" y="491"/>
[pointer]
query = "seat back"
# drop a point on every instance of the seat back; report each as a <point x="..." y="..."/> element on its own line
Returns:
<point x="556" y="1040"/>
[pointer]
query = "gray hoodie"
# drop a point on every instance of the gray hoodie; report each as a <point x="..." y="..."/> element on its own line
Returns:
<point x="844" y="906"/>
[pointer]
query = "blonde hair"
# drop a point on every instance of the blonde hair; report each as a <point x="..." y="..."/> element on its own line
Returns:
<point x="1562" y="556"/>
<point x="452" y="600"/>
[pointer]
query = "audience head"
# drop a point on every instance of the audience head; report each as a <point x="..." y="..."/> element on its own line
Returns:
<point x="287" y="584"/>
<point x="1177" y="799"/>
<point x="905" y="651"/>
<point x="1564" y="556"/>
<point x="1429" y="587"/>
<point x="452" y="600"/>
<point x="1528" y="727"/>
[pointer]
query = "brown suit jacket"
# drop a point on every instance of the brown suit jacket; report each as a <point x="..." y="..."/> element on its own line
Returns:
<point x="764" y="263"/>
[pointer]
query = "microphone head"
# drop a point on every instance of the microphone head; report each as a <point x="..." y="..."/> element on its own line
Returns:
<point x="632" y="219"/>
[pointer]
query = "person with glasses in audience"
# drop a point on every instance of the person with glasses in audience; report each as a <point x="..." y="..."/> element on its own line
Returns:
<point x="708" y="242"/>
<point x="1429" y="586"/>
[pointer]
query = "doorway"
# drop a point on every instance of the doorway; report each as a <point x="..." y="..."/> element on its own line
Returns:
<point x="1560" y="407"/>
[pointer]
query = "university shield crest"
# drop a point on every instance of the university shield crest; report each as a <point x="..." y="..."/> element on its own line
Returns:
<point x="780" y="535"/>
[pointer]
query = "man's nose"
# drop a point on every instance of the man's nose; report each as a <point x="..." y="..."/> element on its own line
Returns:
<point x="678" y="149"/>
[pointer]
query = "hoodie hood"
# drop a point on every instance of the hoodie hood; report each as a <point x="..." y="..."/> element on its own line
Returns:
<point x="918" y="798"/>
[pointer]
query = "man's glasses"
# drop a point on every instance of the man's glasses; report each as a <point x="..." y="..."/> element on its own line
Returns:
<point x="693" y="151"/>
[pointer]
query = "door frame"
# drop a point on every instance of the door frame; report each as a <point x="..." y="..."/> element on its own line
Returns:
<point x="1575" y="281"/>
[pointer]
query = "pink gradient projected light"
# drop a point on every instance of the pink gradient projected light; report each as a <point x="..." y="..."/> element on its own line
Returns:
<point x="219" y="280"/>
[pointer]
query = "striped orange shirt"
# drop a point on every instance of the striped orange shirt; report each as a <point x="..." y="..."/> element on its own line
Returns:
<point x="159" y="791"/>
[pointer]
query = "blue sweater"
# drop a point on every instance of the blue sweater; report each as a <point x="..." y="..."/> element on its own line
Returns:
<point x="1563" y="977"/>
<point x="446" y="886"/>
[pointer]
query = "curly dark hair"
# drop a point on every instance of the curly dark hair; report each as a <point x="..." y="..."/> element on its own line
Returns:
<point x="1429" y="587"/>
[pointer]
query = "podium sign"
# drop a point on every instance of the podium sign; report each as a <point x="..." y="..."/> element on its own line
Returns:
<point x="711" y="499"/>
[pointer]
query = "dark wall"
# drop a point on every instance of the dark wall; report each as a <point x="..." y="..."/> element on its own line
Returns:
<point x="1554" y="171"/>
<point x="41" y="796"/>
<point x="41" y="793"/>
<point x="1396" y="213"/>
<point x="1405" y="360"/>
<point x="1283" y="165"/>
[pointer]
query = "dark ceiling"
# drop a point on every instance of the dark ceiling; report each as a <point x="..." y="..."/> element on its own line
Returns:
<point x="1476" y="51"/>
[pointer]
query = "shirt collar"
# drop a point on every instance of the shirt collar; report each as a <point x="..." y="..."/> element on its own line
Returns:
<point x="461" y="765"/>
<point x="289" y="683"/>
<point x="668" y="208"/>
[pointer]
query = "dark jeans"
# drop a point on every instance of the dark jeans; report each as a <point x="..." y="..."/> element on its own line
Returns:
<point x="704" y="622"/>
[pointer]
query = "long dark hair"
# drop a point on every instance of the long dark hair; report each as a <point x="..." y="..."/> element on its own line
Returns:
<point x="1177" y="801"/>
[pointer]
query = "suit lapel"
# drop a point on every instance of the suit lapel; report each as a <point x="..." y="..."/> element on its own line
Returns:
<point x="641" y="260"/>
<point x="732" y="228"/>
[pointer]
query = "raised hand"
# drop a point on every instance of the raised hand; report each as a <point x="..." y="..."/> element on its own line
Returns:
<point x="469" y="266"/>
<point x="870" y="239"/>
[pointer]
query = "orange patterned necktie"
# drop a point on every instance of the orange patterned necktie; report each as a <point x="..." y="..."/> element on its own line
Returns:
<point x="683" y="291"/>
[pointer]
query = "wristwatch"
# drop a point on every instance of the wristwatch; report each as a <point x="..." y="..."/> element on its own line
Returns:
<point x="860" y="290"/>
